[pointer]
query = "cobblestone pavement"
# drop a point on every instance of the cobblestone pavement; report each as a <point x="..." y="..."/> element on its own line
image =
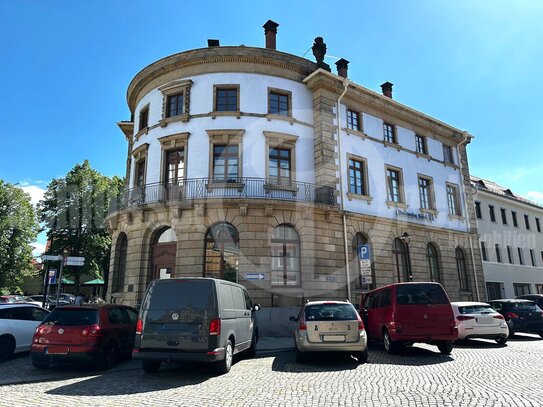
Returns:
<point x="479" y="373"/>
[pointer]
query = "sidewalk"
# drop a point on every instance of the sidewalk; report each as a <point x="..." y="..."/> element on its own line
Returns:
<point x="271" y="345"/>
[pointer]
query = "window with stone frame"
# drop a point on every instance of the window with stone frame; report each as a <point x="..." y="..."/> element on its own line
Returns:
<point x="394" y="185"/>
<point x="401" y="257"/>
<point x="483" y="251"/>
<point x="461" y="269"/>
<point x="279" y="161"/>
<point x="527" y="222"/>
<point x="226" y="98"/>
<point x="420" y="143"/>
<point x="144" y="118"/>
<point x="285" y="257"/>
<point x="433" y="262"/>
<point x="504" y="216"/>
<point x="279" y="102"/>
<point x="120" y="269"/>
<point x="225" y="163"/>
<point x="140" y="174"/>
<point x="389" y="133"/>
<point x="514" y="217"/>
<point x="448" y="154"/>
<point x="453" y="200"/>
<point x="174" y="169"/>
<point x="353" y="120"/>
<point x="357" y="177"/>
<point x="478" y="210"/>
<point x="426" y="193"/>
<point x="175" y="104"/>
<point x="222" y="252"/>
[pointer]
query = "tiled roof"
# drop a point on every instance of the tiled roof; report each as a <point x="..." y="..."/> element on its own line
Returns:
<point x="490" y="186"/>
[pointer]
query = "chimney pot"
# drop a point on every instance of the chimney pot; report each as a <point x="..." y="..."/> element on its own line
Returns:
<point x="270" y="31"/>
<point x="387" y="89"/>
<point x="213" y="43"/>
<point x="342" y="67"/>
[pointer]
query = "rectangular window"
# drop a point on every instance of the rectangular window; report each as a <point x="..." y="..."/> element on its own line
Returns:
<point x="357" y="177"/>
<point x="494" y="291"/>
<point x="514" y="216"/>
<point x="226" y="99"/>
<point x="539" y="288"/>
<point x="175" y="105"/>
<point x="175" y="166"/>
<point x="279" y="103"/>
<point x="448" y="155"/>
<point x="225" y="163"/>
<point x="504" y="216"/>
<point x="537" y="225"/>
<point x="389" y="133"/>
<point x="426" y="193"/>
<point x="140" y="173"/>
<point x="420" y="142"/>
<point x="144" y="118"/>
<point x="510" y="254"/>
<point x="279" y="166"/>
<point x="527" y="222"/>
<point x="453" y="200"/>
<point x="394" y="185"/>
<point x="483" y="251"/>
<point x="352" y="120"/>
<point x="520" y="259"/>
<point x="498" y="253"/>
<point x="491" y="213"/>
<point x="478" y="210"/>
<point x="532" y="257"/>
<point x="521" y="289"/>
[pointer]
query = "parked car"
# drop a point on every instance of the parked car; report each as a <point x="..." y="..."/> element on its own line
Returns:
<point x="537" y="298"/>
<point x="403" y="313"/>
<point x="480" y="320"/>
<point x="330" y="326"/>
<point x="17" y="325"/>
<point x="95" y="333"/>
<point x="29" y="300"/>
<point x="51" y="302"/>
<point x="195" y="319"/>
<point x="520" y="315"/>
<point x="11" y="299"/>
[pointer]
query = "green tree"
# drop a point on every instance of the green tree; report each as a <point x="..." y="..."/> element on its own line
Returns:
<point x="18" y="230"/>
<point x="74" y="209"/>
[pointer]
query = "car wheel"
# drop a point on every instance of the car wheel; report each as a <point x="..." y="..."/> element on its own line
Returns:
<point x="541" y="333"/>
<point x="223" y="366"/>
<point x="502" y="340"/>
<point x="150" y="366"/>
<point x="251" y="352"/>
<point x="362" y="356"/>
<point x="40" y="366"/>
<point x="108" y="358"/>
<point x="7" y="347"/>
<point x="390" y="345"/>
<point x="445" y="347"/>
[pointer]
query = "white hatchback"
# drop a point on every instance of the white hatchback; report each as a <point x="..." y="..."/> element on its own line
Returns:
<point x="18" y="322"/>
<point x="479" y="320"/>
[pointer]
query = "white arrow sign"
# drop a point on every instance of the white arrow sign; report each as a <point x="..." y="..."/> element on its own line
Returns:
<point x="254" y="276"/>
<point x="75" y="261"/>
<point x="49" y="257"/>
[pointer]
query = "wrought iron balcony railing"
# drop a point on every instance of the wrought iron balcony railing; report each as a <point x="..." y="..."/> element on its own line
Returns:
<point x="232" y="188"/>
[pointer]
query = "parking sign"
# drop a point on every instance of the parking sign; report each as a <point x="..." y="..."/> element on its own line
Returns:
<point x="364" y="252"/>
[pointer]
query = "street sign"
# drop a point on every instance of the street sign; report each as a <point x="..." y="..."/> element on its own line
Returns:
<point x="52" y="276"/>
<point x="330" y="278"/>
<point x="366" y="280"/>
<point x="366" y="271"/>
<point x="49" y="257"/>
<point x="365" y="263"/>
<point x="255" y="276"/>
<point x="75" y="261"/>
<point x="364" y="252"/>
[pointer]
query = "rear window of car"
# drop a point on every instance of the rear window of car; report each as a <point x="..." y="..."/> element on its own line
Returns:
<point x="179" y="295"/>
<point x="475" y="309"/>
<point x="72" y="317"/>
<point x="413" y="294"/>
<point x="524" y="306"/>
<point x="330" y="312"/>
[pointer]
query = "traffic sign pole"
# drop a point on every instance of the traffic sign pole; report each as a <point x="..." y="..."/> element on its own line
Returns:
<point x="59" y="282"/>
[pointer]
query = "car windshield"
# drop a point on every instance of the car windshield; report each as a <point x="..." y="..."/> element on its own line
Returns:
<point x="525" y="306"/>
<point x="476" y="309"/>
<point x="72" y="317"/>
<point x="330" y="312"/>
<point x="413" y="294"/>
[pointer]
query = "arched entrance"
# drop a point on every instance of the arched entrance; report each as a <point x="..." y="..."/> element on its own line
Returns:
<point x="163" y="254"/>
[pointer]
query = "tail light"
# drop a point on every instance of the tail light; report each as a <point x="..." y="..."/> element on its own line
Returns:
<point x="512" y="315"/>
<point x="302" y="326"/>
<point x="93" y="330"/>
<point x="499" y="316"/>
<point x="360" y="323"/>
<point x="139" y="327"/>
<point x="464" y="317"/>
<point x="215" y="327"/>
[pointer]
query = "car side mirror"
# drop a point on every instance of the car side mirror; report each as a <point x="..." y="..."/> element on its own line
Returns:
<point x="293" y="319"/>
<point x="256" y="307"/>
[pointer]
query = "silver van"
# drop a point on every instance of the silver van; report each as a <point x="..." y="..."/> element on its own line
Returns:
<point x="194" y="319"/>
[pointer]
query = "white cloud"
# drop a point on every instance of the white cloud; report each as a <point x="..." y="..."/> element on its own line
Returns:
<point x="38" y="248"/>
<point x="35" y="192"/>
<point x="535" y="196"/>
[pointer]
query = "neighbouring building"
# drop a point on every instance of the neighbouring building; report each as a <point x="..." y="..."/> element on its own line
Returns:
<point x="511" y="240"/>
<point x="266" y="168"/>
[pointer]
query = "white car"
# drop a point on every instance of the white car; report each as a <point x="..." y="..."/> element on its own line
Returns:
<point x="17" y="325"/>
<point x="479" y="320"/>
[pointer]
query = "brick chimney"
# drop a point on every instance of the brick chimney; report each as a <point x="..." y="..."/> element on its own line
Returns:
<point x="387" y="89"/>
<point x="270" y="31"/>
<point x="342" y="67"/>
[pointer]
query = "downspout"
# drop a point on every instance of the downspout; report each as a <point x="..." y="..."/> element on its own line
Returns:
<point x="466" y="137"/>
<point x="340" y="158"/>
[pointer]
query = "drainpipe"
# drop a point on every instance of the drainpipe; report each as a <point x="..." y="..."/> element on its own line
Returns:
<point x="466" y="137"/>
<point x="340" y="158"/>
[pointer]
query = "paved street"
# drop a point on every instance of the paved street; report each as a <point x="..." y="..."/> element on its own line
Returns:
<point x="477" y="374"/>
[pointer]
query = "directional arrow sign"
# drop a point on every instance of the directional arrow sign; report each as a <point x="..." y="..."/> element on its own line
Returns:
<point x="49" y="257"/>
<point x="255" y="276"/>
<point x="75" y="261"/>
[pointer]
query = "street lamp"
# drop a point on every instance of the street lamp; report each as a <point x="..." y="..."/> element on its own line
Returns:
<point x="406" y="238"/>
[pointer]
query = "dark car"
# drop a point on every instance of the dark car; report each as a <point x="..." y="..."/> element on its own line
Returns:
<point x="537" y="298"/>
<point x="93" y="333"/>
<point x="520" y="315"/>
<point x="51" y="302"/>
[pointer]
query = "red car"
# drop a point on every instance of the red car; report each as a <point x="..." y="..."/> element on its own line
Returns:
<point x="404" y="313"/>
<point x="11" y="299"/>
<point x="92" y="333"/>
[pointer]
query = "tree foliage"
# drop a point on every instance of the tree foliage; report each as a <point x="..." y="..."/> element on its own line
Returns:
<point x="74" y="209"/>
<point x="18" y="230"/>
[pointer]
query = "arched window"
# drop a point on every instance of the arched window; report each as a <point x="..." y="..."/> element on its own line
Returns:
<point x="285" y="252"/>
<point x="433" y="262"/>
<point x="120" y="269"/>
<point x="402" y="263"/>
<point x="222" y="252"/>
<point x="164" y="252"/>
<point x="461" y="268"/>
<point x="364" y="273"/>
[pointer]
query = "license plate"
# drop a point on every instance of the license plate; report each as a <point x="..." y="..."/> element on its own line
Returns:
<point x="333" y="338"/>
<point x="484" y="320"/>
<point x="57" y="351"/>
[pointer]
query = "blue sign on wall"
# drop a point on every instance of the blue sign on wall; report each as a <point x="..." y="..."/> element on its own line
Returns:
<point x="364" y="252"/>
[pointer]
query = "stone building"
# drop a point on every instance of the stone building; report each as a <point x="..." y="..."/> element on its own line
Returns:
<point x="263" y="167"/>
<point x="511" y="239"/>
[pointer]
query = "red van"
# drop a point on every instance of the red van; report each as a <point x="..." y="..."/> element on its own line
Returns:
<point x="403" y="313"/>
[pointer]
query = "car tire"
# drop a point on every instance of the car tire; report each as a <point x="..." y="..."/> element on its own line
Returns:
<point x="251" y="352"/>
<point x="502" y="340"/>
<point x="445" y="347"/>
<point x="223" y="366"/>
<point x="108" y="358"/>
<point x="390" y="345"/>
<point x="541" y="334"/>
<point x="150" y="366"/>
<point x="362" y="356"/>
<point x="7" y="347"/>
<point x="40" y="366"/>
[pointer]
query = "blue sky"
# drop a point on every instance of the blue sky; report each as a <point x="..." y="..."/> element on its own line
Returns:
<point x="65" y="67"/>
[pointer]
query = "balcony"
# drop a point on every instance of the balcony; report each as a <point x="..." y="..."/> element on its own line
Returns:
<point x="232" y="188"/>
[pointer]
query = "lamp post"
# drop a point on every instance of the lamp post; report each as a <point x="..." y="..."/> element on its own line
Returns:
<point x="405" y="238"/>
